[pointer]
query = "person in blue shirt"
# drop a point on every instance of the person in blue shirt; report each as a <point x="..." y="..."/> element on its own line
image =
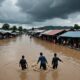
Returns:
<point x="55" y="61"/>
<point x="42" y="61"/>
<point x="23" y="63"/>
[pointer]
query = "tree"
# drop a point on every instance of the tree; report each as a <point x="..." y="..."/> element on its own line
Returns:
<point x="14" y="28"/>
<point x="76" y="26"/>
<point x="20" y="29"/>
<point x="6" y="26"/>
<point x="33" y="28"/>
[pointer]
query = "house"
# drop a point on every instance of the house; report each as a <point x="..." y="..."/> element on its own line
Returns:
<point x="71" y="38"/>
<point x="36" y="33"/>
<point x="7" y="34"/>
<point x="52" y="35"/>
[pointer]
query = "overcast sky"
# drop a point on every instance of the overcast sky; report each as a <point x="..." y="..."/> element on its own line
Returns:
<point x="40" y="12"/>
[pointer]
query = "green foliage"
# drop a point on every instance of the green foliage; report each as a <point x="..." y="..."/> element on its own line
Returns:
<point x="76" y="26"/>
<point x="33" y="28"/>
<point x="20" y="29"/>
<point x="14" y="28"/>
<point x="6" y="26"/>
<point x="55" y="27"/>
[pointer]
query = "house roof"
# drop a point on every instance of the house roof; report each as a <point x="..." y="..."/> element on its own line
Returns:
<point x="74" y="34"/>
<point x="5" y="31"/>
<point x="52" y="32"/>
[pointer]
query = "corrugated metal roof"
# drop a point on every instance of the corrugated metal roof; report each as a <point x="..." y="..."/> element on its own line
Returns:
<point x="74" y="34"/>
<point x="5" y="31"/>
<point x="52" y="32"/>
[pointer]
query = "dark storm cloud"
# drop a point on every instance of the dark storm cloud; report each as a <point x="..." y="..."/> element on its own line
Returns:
<point x="46" y="9"/>
<point x="1" y="1"/>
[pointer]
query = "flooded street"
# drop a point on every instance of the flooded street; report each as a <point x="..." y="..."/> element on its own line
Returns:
<point x="11" y="51"/>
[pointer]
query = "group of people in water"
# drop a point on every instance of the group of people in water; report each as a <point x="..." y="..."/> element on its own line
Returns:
<point x="43" y="61"/>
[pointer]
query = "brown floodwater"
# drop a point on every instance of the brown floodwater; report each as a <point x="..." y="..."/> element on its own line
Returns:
<point x="11" y="51"/>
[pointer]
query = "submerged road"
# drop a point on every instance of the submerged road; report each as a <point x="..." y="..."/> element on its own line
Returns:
<point x="11" y="51"/>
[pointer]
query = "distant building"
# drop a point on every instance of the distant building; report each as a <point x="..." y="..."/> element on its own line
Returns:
<point x="52" y="35"/>
<point x="72" y="38"/>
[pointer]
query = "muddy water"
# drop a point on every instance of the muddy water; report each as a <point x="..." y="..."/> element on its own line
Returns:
<point x="11" y="51"/>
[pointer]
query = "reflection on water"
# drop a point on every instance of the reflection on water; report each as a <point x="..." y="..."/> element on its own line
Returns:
<point x="55" y="75"/>
<point x="42" y="75"/>
<point x="23" y="76"/>
<point x="45" y="44"/>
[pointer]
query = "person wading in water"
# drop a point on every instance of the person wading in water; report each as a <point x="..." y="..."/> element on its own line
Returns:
<point x="23" y="63"/>
<point x="55" y="61"/>
<point x="42" y="61"/>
